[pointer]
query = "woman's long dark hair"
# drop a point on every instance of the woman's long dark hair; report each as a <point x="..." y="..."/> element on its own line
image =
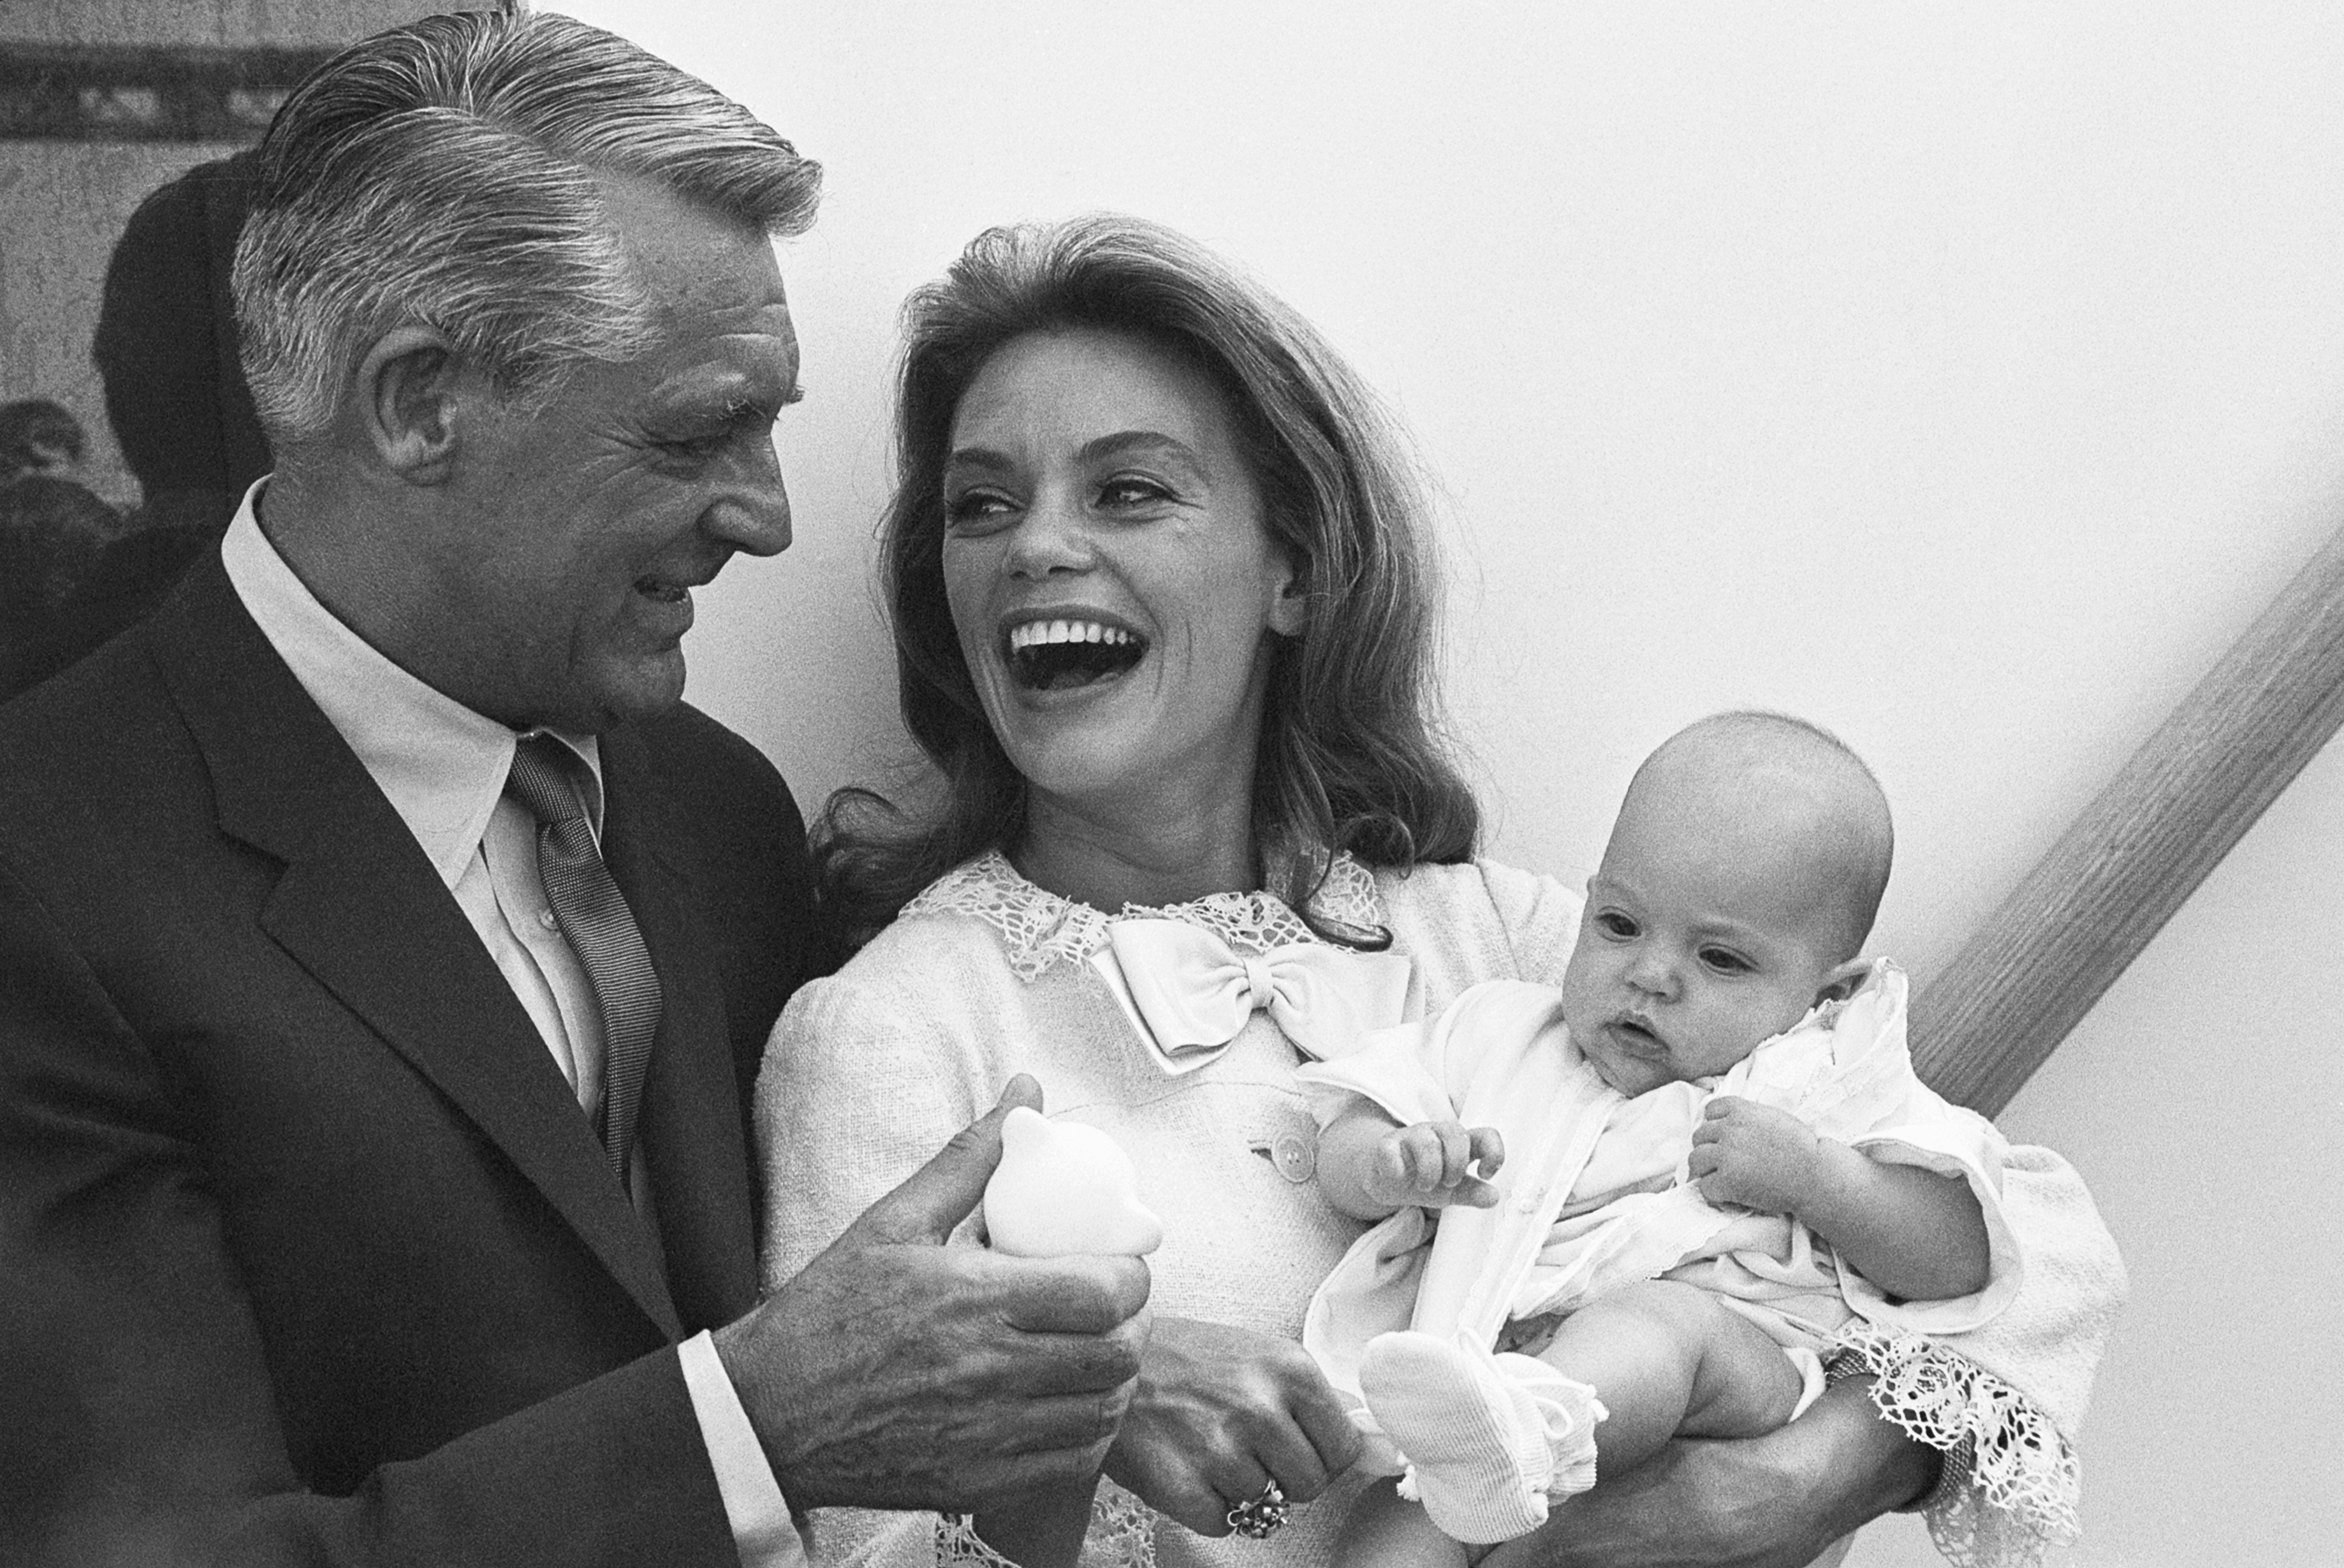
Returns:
<point x="1351" y="758"/>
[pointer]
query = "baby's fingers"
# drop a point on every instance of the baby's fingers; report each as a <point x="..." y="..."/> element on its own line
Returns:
<point x="1423" y="1149"/>
<point x="1472" y="1193"/>
<point x="1456" y="1152"/>
<point x="1487" y="1151"/>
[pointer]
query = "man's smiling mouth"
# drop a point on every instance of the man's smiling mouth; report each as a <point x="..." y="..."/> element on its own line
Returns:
<point x="662" y="589"/>
<point x="1059" y="655"/>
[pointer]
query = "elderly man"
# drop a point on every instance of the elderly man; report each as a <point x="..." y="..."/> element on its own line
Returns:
<point x="384" y="950"/>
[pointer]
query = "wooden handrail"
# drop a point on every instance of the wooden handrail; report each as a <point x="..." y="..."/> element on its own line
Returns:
<point x="1983" y="1026"/>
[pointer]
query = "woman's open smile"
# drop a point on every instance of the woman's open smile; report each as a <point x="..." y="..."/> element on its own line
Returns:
<point x="1069" y="653"/>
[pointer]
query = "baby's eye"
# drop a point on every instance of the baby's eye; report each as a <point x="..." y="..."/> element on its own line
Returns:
<point x="1725" y="961"/>
<point x="1614" y="924"/>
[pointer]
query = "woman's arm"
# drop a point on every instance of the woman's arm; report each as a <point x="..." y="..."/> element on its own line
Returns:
<point x="1772" y="1502"/>
<point x="1042" y="1529"/>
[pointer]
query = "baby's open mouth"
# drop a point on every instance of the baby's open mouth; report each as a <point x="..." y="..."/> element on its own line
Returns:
<point x="1057" y="655"/>
<point x="1638" y="1036"/>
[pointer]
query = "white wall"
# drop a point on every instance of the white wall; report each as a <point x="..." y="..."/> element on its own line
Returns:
<point x="1964" y="378"/>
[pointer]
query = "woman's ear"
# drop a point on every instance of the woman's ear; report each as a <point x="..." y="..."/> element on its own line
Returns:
<point x="1290" y="611"/>
<point x="410" y="386"/>
<point x="1841" y="983"/>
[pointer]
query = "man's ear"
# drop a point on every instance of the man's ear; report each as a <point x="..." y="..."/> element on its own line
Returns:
<point x="411" y="385"/>
<point x="1841" y="983"/>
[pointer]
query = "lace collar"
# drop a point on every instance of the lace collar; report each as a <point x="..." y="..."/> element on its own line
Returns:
<point x="1039" y="929"/>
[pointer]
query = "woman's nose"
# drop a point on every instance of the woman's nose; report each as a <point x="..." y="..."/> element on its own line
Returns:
<point x="1051" y="537"/>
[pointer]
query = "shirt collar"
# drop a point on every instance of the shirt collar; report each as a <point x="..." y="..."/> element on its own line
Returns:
<point x="442" y="766"/>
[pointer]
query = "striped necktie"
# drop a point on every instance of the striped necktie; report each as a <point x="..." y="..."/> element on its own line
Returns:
<point x="594" y="917"/>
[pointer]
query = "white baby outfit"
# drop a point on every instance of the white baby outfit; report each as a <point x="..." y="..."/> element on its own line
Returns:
<point x="1594" y="1194"/>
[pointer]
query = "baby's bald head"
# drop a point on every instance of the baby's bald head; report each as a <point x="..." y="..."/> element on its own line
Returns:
<point x="1790" y="792"/>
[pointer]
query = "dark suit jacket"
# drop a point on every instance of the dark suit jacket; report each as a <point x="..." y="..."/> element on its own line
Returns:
<point x="303" y="1237"/>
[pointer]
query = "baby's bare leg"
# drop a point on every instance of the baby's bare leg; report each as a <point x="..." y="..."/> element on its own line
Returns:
<point x="1383" y="1531"/>
<point x="1666" y="1359"/>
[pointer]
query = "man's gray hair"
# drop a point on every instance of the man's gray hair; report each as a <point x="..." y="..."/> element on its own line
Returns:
<point x="445" y="174"/>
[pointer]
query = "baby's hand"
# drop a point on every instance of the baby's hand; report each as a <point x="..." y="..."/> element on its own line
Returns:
<point x="1755" y="1155"/>
<point x="1431" y="1165"/>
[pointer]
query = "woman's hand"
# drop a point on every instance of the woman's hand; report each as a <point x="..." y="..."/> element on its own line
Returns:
<point x="1220" y="1414"/>
<point x="1772" y="1502"/>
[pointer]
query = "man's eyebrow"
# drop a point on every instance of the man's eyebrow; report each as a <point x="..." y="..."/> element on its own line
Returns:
<point x="746" y="408"/>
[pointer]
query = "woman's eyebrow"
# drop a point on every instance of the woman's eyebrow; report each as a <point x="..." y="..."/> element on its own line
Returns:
<point x="983" y="458"/>
<point x="1122" y="441"/>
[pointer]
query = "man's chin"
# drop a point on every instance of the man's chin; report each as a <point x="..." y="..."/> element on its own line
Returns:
<point x="623" y="693"/>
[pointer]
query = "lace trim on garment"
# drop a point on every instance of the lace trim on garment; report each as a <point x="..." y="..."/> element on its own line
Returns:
<point x="2022" y="1476"/>
<point x="1122" y="1534"/>
<point x="1040" y="929"/>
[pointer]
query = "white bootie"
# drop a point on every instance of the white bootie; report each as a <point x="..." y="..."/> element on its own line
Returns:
<point x="1487" y="1439"/>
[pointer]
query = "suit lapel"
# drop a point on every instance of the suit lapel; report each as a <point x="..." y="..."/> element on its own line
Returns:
<point x="360" y="909"/>
<point x="691" y="1109"/>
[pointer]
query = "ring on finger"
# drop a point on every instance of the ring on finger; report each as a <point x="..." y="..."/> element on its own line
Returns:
<point x="1258" y="1517"/>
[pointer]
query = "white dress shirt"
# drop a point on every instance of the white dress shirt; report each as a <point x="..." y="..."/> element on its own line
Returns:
<point x="442" y="767"/>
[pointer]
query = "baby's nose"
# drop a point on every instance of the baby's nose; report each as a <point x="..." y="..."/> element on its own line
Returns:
<point x="1653" y="976"/>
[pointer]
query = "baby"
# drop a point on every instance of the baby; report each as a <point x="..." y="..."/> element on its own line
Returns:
<point x="1715" y="1155"/>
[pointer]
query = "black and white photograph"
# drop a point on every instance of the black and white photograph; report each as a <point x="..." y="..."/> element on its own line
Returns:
<point x="1082" y="783"/>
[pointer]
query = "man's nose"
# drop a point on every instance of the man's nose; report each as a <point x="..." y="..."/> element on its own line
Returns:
<point x="1053" y="537"/>
<point x="752" y="514"/>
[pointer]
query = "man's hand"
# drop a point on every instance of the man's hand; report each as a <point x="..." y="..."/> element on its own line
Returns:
<point x="1770" y="1501"/>
<point x="1433" y="1164"/>
<point x="897" y="1373"/>
<point x="1220" y="1414"/>
<point x="1755" y="1155"/>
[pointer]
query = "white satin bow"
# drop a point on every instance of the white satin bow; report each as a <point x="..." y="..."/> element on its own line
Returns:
<point x="1188" y="993"/>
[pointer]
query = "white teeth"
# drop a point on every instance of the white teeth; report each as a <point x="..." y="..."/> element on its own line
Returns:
<point x="1028" y="634"/>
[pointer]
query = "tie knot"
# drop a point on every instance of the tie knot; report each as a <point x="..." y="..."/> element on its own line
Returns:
<point x="541" y="779"/>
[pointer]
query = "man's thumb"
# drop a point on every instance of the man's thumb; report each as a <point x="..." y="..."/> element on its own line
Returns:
<point x="939" y="1195"/>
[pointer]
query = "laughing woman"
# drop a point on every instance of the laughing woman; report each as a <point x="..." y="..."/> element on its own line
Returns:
<point x="1163" y="622"/>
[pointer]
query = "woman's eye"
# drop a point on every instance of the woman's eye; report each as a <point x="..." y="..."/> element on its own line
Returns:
<point x="1130" y="492"/>
<point x="1614" y="924"/>
<point x="975" y="511"/>
<point x="1725" y="962"/>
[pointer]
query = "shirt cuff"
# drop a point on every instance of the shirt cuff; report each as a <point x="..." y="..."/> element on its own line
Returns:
<point x="763" y="1531"/>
